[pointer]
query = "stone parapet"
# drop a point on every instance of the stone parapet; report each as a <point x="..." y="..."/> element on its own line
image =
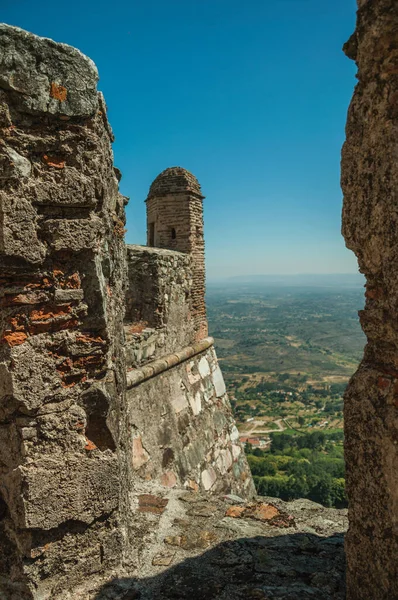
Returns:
<point x="158" y="316"/>
<point x="203" y="547"/>
<point x="137" y="376"/>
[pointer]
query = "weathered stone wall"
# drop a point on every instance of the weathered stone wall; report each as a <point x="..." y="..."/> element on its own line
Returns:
<point x="183" y="430"/>
<point x="77" y="454"/>
<point x="62" y="274"/>
<point x="370" y="227"/>
<point x="175" y="221"/>
<point x="158" y="316"/>
<point x="181" y="421"/>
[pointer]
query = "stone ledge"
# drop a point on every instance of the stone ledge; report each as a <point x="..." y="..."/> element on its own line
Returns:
<point x="137" y="249"/>
<point x="166" y="362"/>
<point x="225" y="548"/>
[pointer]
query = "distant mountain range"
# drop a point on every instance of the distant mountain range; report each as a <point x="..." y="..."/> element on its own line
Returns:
<point x="335" y="280"/>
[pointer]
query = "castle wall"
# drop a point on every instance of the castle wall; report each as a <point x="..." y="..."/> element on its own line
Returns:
<point x="181" y="421"/>
<point x="370" y="226"/>
<point x="183" y="429"/>
<point x="183" y="432"/>
<point x="83" y="434"/>
<point x="62" y="274"/>
<point x="169" y="212"/>
<point x="158" y="317"/>
<point x="93" y="458"/>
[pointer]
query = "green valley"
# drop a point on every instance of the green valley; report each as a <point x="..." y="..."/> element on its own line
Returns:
<point x="287" y="351"/>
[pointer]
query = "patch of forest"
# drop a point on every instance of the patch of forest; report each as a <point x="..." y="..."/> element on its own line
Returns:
<point x="296" y="465"/>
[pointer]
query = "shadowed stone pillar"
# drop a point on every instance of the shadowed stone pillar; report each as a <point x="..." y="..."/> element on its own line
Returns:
<point x="62" y="273"/>
<point x="175" y="222"/>
<point x="370" y="227"/>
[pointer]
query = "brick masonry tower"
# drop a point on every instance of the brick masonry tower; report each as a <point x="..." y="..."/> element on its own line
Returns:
<point x="175" y="221"/>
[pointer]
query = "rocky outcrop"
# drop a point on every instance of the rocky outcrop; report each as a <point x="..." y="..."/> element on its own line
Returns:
<point x="370" y="226"/>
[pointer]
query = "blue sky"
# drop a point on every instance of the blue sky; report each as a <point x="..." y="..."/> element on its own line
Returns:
<point x="249" y="96"/>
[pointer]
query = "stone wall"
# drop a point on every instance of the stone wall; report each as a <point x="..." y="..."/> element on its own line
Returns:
<point x="158" y="316"/>
<point x="62" y="273"/>
<point x="370" y="226"/>
<point x="95" y="463"/>
<point x="86" y="441"/>
<point x="183" y="430"/>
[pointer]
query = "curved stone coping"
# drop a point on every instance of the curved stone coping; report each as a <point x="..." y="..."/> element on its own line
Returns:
<point x="137" y="376"/>
<point x="137" y="249"/>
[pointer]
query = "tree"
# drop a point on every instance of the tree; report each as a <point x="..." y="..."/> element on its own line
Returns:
<point x="339" y="496"/>
<point x="258" y="452"/>
<point x="261" y="466"/>
<point x="248" y="448"/>
<point x="321" y="489"/>
<point x="297" y="487"/>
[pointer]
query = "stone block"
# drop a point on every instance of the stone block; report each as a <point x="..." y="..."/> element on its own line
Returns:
<point x="63" y="83"/>
<point x="72" y="234"/>
<point x="209" y="478"/>
<point x="195" y="402"/>
<point x="59" y="490"/>
<point x="18" y="229"/>
<point x="220" y="421"/>
<point x="236" y="451"/>
<point x="234" y="434"/>
<point x="168" y="479"/>
<point x="35" y="378"/>
<point x="203" y="367"/>
<point x="65" y="296"/>
<point x="178" y="397"/>
<point x="13" y="165"/>
<point x="139" y="455"/>
<point x="218" y="381"/>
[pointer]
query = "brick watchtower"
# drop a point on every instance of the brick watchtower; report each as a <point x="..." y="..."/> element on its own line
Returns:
<point x="175" y="221"/>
